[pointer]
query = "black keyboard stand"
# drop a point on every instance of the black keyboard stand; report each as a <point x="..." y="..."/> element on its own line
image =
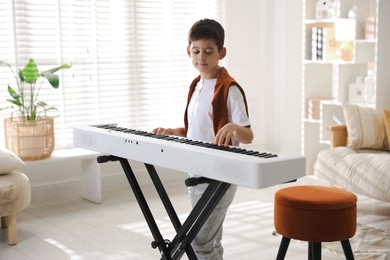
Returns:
<point x="186" y="232"/>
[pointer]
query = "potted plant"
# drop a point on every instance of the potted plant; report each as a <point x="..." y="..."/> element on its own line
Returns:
<point x="29" y="132"/>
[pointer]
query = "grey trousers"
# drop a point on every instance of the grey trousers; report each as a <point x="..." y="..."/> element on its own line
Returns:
<point x="207" y="244"/>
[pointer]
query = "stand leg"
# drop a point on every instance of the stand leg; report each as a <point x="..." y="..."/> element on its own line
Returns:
<point x="168" y="205"/>
<point x="158" y="239"/>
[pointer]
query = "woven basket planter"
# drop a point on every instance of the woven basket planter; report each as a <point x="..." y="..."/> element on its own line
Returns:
<point x="30" y="140"/>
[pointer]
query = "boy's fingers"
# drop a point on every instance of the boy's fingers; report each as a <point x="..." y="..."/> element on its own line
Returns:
<point x="158" y="130"/>
<point x="227" y="140"/>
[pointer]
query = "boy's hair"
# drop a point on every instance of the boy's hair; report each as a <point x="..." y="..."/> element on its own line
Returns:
<point x="207" y="29"/>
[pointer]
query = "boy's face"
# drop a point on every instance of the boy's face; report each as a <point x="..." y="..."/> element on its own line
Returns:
<point x="205" y="57"/>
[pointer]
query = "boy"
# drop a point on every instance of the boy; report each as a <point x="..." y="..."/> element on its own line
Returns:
<point x="216" y="112"/>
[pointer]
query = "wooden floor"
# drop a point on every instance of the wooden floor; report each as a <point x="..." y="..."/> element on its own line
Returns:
<point x="74" y="228"/>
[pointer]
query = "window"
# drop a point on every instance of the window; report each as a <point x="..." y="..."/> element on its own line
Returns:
<point x="129" y="62"/>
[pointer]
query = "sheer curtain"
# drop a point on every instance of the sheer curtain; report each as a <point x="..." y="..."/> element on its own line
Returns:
<point x="129" y="62"/>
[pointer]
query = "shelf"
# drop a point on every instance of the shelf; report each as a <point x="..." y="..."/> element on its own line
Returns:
<point x="331" y="62"/>
<point x="311" y="121"/>
<point x="327" y="142"/>
<point x="332" y="102"/>
<point x="365" y="41"/>
<point x="325" y="22"/>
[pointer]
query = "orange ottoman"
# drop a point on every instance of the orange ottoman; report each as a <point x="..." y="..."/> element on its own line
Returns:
<point x="315" y="214"/>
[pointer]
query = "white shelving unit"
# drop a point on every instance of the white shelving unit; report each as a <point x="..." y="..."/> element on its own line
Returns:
<point x="326" y="80"/>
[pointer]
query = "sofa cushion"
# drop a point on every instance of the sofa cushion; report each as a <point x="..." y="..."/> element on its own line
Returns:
<point x="363" y="171"/>
<point x="365" y="127"/>
<point x="9" y="161"/>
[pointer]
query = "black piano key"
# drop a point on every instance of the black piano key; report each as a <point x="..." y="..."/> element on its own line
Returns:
<point x="158" y="136"/>
<point x="109" y="127"/>
<point x="219" y="147"/>
<point x="105" y="125"/>
<point x="179" y="140"/>
<point x="206" y="145"/>
<point x="167" y="138"/>
<point x="138" y="132"/>
<point x="148" y="134"/>
<point x="270" y="156"/>
<point x="239" y="150"/>
<point x="235" y="150"/>
<point x="119" y="129"/>
<point x="183" y="140"/>
<point x="261" y="154"/>
<point x="195" y="142"/>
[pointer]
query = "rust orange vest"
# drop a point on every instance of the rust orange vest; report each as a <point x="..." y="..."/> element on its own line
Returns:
<point x="219" y="102"/>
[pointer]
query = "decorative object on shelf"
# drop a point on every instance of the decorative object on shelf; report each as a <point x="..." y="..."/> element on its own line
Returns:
<point x="325" y="9"/>
<point x="352" y="12"/>
<point x="323" y="43"/>
<point x="314" y="108"/>
<point x="345" y="52"/>
<point x="345" y="32"/>
<point x="369" y="82"/>
<point x="317" y="43"/>
<point x="370" y="28"/>
<point x="29" y="132"/>
<point x="357" y="91"/>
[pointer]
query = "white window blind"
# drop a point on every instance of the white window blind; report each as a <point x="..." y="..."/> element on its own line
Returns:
<point x="129" y="61"/>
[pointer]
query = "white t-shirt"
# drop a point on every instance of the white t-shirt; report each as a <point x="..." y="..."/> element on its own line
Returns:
<point x="200" y="110"/>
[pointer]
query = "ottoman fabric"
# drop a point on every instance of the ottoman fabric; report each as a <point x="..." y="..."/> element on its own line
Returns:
<point x="315" y="213"/>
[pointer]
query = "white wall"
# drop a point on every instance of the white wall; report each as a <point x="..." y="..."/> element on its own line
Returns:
<point x="263" y="40"/>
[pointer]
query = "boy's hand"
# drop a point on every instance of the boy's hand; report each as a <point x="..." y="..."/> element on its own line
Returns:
<point x="170" y="131"/>
<point x="233" y="131"/>
<point x="226" y="134"/>
<point x="163" y="131"/>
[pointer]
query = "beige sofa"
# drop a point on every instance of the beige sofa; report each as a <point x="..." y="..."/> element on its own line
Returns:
<point x="360" y="169"/>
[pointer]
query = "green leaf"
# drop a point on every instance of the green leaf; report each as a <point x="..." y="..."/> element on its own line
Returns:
<point x="51" y="108"/>
<point x="15" y="102"/>
<point x="52" y="78"/>
<point x="41" y="103"/>
<point x="4" y="108"/>
<point x="30" y="71"/>
<point x="13" y="93"/>
<point x="21" y="77"/>
<point x="54" y="70"/>
<point x="16" y="97"/>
